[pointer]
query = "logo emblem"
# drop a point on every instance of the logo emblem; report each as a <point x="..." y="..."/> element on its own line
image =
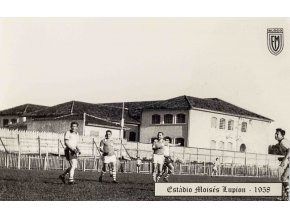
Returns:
<point x="275" y="40"/>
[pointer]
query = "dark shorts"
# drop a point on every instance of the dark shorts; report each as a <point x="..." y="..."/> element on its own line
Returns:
<point x="69" y="154"/>
<point x="167" y="160"/>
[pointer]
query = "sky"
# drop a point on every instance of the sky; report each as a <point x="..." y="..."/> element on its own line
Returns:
<point x="49" y="61"/>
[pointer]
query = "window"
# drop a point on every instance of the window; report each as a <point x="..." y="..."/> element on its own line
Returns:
<point x="179" y="140"/>
<point x="132" y="136"/>
<point x="212" y="144"/>
<point x="243" y="148"/>
<point x="244" y="127"/>
<point x="124" y="134"/>
<point x="155" y="119"/>
<point x="222" y="123"/>
<point x="168" y="118"/>
<point x="231" y="125"/>
<point x="5" y="122"/>
<point x="229" y="146"/>
<point x="180" y="118"/>
<point x="213" y="122"/>
<point x="221" y="145"/>
<point x="14" y="121"/>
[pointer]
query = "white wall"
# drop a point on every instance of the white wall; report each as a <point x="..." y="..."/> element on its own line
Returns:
<point x="100" y="131"/>
<point x="256" y="139"/>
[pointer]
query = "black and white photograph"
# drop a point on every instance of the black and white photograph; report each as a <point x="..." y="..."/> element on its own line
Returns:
<point x="144" y="109"/>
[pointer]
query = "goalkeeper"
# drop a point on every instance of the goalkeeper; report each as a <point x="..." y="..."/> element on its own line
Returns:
<point x="71" y="140"/>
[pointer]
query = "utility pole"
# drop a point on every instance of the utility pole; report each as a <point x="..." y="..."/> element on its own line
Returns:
<point x="122" y="123"/>
<point x="84" y="124"/>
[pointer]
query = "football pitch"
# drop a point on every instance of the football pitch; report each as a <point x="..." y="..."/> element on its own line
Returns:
<point x="33" y="185"/>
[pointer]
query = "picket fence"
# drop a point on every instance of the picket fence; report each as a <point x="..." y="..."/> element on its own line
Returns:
<point x="45" y="150"/>
<point x="35" y="162"/>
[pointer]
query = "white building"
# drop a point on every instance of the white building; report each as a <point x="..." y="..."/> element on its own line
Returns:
<point x="206" y="123"/>
<point x="192" y="122"/>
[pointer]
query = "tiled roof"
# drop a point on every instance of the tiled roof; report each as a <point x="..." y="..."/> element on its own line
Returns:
<point x="134" y="108"/>
<point x="22" y="110"/>
<point x="89" y="120"/>
<point x="211" y="104"/>
<point x="112" y="112"/>
<point x="79" y="108"/>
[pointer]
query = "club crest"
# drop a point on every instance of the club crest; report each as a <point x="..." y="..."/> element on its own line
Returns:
<point x="275" y="40"/>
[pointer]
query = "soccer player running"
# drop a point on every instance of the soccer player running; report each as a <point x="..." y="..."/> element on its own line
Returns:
<point x="284" y="145"/>
<point x="71" y="140"/>
<point x="138" y="164"/>
<point x="109" y="156"/>
<point x="158" y="156"/>
<point x="214" y="171"/>
<point x="168" y="168"/>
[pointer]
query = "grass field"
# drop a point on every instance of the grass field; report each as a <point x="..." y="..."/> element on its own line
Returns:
<point x="18" y="185"/>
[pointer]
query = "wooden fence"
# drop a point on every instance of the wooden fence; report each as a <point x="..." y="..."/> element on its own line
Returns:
<point x="26" y="144"/>
<point x="48" y="162"/>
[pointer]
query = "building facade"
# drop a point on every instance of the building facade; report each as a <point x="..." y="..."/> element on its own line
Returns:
<point x="16" y="117"/>
<point x="206" y="123"/>
<point x="191" y="122"/>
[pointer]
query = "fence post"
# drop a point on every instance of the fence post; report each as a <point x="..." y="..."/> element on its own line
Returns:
<point x="62" y="164"/>
<point x="204" y="167"/>
<point x="137" y="149"/>
<point x="39" y="151"/>
<point x="245" y="168"/>
<point x="7" y="161"/>
<point x="46" y="157"/>
<point x="234" y="160"/>
<point x="84" y="164"/>
<point x="93" y="148"/>
<point x="39" y="146"/>
<point x="58" y="147"/>
<point x="29" y="162"/>
<point x="268" y="174"/>
<point x="257" y="169"/>
<point x="197" y="154"/>
<point x="19" y="152"/>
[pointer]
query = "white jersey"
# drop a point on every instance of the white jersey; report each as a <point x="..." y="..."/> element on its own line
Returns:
<point x="139" y="161"/>
<point x="216" y="163"/>
<point x="166" y="151"/>
<point x="73" y="138"/>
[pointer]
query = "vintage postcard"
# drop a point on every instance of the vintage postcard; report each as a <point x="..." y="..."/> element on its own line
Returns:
<point x="144" y="109"/>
